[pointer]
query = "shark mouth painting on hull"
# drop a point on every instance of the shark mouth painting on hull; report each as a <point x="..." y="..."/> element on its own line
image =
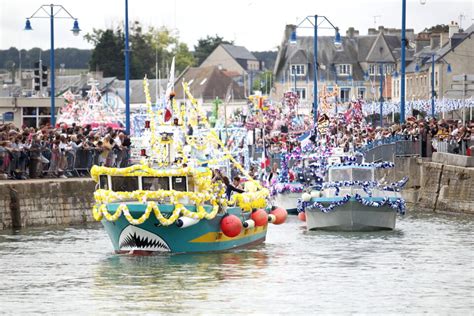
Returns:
<point x="134" y="238"/>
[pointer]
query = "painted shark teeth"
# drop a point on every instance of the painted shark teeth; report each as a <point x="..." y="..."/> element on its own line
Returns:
<point x="135" y="238"/>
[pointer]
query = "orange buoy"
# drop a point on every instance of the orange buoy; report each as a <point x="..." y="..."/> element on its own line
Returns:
<point x="302" y="216"/>
<point x="260" y="217"/>
<point x="231" y="225"/>
<point x="281" y="214"/>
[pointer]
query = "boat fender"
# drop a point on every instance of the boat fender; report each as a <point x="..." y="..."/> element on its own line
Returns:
<point x="315" y="194"/>
<point x="260" y="217"/>
<point x="306" y="197"/>
<point x="280" y="215"/>
<point x="249" y="224"/>
<point x="185" y="221"/>
<point x="271" y="218"/>
<point x="302" y="216"/>
<point x="231" y="225"/>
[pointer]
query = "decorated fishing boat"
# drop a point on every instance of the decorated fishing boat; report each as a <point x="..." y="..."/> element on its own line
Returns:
<point x="173" y="199"/>
<point x="352" y="200"/>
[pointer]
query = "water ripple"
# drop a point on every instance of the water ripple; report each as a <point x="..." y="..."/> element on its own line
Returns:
<point x="424" y="266"/>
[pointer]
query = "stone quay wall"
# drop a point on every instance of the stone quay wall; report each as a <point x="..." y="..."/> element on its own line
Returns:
<point x="434" y="186"/>
<point x="44" y="202"/>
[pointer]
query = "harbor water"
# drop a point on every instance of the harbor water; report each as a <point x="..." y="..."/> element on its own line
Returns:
<point x="424" y="266"/>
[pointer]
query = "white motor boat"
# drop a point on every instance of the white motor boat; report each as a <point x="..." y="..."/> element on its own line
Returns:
<point x="351" y="200"/>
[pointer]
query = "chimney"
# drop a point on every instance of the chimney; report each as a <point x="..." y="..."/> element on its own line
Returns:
<point x="453" y="28"/>
<point x="289" y="28"/>
<point x="422" y="40"/>
<point x="443" y="39"/>
<point x="434" y="41"/>
<point x="372" y="31"/>
<point x="381" y="29"/>
<point x="351" y="32"/>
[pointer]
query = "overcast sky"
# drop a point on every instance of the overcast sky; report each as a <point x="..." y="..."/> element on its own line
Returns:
<point x="255" y="24"/>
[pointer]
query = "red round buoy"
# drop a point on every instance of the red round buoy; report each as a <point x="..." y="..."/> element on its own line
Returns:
<point x="281" y="214"/>
<point x="260" y="217"/>
<point x="302" y="216"/>
<point x="231" y="225"/>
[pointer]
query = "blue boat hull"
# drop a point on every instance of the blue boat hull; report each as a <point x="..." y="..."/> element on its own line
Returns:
<point x="152" y="237"/>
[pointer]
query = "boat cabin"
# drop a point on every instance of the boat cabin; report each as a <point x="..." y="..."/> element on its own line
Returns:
<point x="351" y="173"/>
<point x="146" y="183"/>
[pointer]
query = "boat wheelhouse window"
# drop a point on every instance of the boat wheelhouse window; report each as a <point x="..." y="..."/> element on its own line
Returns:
<point x="179" y="183"/>
<point x="124" y="184"/>
<point x="156" y="183"/>
<point x="361" y="174"/>
<point x="103" y="182"/>
<point x="340" y="175"/>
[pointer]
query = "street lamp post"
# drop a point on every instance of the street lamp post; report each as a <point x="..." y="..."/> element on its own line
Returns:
<point x="52" y="11"/>
<point x="381" y="94"/>
<point x="337" y="44"/>
<point x="402" y="70"/>
<point x="127" y="74"/>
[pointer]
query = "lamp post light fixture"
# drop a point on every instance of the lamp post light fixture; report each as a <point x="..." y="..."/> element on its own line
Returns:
<point x="52" y="11"/>
<point x="315" y="25"/>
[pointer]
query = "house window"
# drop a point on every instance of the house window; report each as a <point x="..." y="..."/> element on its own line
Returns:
<point x="344" y="69"/>
<point x="301" y="92"/>
<point x="344" y="94"/>
<point x="361" y="93"/>
<point x="389" y="68"/>
<point x="373" y="69"/>
<point x="36" y="116"/>
<point x="299" y="70"/>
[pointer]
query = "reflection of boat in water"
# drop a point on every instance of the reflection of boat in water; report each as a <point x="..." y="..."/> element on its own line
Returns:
<point x="158" y="279"/>
<point x="169" y="202"/>
<point x="352" y="200"/>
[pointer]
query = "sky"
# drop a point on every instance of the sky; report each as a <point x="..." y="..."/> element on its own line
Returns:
<point x="256" y="24"/>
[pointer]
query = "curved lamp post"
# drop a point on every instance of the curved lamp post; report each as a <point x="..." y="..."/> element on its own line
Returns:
<point x="313" y="20"/>
<point x="51" y="11"/>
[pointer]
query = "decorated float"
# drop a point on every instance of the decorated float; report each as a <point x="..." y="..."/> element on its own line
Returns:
<point x="173" y="200"/>
<point x="94" y="110"/>
<point x="351" y="199"/>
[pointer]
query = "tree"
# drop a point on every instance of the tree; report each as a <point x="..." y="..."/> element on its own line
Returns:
<point x="438" y="28"/>
<point x="108" y="55"/>
<point x="206" y="46"/>
<point x="263" y="82"/>
<point x="148" y="50"/>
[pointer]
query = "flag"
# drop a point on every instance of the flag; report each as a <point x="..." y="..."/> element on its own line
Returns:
<point x="170" y="86"/>
<point x="169" y="94"/>
<point x="265" y="162"/>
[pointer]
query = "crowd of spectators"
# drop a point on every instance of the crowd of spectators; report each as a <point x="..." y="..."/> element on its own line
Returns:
<point x="444" y="135"/>
<point x="62" y="152"/>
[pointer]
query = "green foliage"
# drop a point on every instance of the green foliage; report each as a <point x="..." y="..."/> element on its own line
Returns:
<point x="263" y="82"/>
<point x="107" y="55"/>
<point x="438" y="28"/>
<point x="206" y="46"/>
<point x="72" y="58"/>
<point x="148" y="48"/>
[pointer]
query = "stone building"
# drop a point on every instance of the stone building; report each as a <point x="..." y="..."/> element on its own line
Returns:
<point x="354" y="68"/>
<point x="454" y="49"/>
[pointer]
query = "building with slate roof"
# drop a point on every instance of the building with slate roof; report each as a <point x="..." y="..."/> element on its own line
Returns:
<point x="354" y="68"/>
<point x="211" y="82"/>
<point x="455" y="48"/>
